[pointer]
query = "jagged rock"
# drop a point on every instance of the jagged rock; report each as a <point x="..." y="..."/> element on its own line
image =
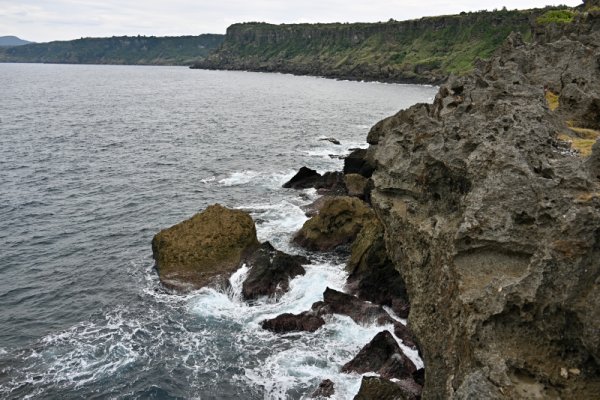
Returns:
<point x="373" y="387"/>
<point x="270" y="272"/>
<point x="372" y="275"/>
<point x="331" y="140"/>
<point x="383" y="356"/>
<point x="325" y="389"/>
<point x="328" y="183"/>
<point x="403" y="333"/>
<point x="338" y="222"/>
<point x="361" y="312"/>
<point x="205" y="249"/>
<point x="494" y="228"/>
<point x="356" y="185"/>
<point x="306" y="321"/>
<point x="419" y="376"/>
<point x="359" y="162"/>
<point x="305" y="178"/>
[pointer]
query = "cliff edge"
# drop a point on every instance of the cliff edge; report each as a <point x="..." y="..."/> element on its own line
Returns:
<point x="490" y="199"/>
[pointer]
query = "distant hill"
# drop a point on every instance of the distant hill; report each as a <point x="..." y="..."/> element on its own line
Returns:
<point x="138" y="50"/>
<point x="12" y="41"/>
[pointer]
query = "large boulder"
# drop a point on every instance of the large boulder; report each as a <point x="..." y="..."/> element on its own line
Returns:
<point x="383" y="356"/>
<point x="305" y="178"/>
<point x="338" y="222"/>
<point x="356" y="185"/>
<point x="495" y="228"/>
<point x="205" y="249"/>
<point x="359" y="162"/>
<point x="372" y="275"/>
<point x="328" y="183"/>
<point x="270" y="272"/>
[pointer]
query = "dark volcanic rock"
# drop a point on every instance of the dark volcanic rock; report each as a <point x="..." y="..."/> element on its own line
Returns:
<point x="495" y="228"/>
<point x="325" y="389"/>
<point x="306" y="321"/>
<point x="359" y="162"/>
<point x="373" y="276"/>
<point x="383" y="356"/>
<point x="373" y="387"/>
<point x="205" y="249"/>
<point x="331" y="183"/>
<point x="305" y="178"/>
<point x="338" y="222"/>
<point x="361" y="312"/>
<point x="270" y="272"/>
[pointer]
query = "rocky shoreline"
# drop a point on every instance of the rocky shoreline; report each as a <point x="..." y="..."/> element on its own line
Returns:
<point x="476" y="217"/>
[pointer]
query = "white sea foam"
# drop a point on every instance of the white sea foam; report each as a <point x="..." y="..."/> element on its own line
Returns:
<point x="272" y="180"/>
<point x="208" y="180"/>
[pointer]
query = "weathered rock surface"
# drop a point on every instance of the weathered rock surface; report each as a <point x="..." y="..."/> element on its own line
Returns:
<point x="307" y="321"/>
<point x="357" y="185"/>
<point x="205" y="249"/>
<point x="325" y="389"/>
<point x="373" y="387"/>
<point x="383" y="356"/>
<point x="495" y="228"/>
<point x="270" y="272"/>
<point x="337" y="223"/>
<point x="373" y="276"/>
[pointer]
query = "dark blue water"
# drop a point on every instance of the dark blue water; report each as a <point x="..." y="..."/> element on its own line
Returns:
<point x="94" y="160"/>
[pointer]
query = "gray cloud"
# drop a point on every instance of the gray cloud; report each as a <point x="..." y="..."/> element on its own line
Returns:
<point x="70" y="19"/>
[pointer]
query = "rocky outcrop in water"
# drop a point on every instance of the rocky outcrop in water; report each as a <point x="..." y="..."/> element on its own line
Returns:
<point x="306" y="321"/>
<point x="325" y="389"/>
<point x="373" y="387"/>
<point x="337" y="224"/>
<point x="205" y="249"/>
<point x="494" y="223"/>
<point x="270" y="272"/>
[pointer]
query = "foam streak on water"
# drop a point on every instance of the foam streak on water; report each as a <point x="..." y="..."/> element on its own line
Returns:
<point x="94" y="160"/>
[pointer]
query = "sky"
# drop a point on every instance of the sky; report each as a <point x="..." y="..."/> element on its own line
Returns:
<point x="47" y="20"/>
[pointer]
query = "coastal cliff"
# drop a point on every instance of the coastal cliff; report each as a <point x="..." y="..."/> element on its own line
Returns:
<point x="424" y="51"/>
<point x="490" y="202"/>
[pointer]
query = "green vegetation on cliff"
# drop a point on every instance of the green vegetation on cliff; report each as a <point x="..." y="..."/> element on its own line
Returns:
<point x="181" y="50"/>
<point x="424" y="50"/>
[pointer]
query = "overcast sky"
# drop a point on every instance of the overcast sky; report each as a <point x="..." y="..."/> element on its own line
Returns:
<point x="46" y="20"/>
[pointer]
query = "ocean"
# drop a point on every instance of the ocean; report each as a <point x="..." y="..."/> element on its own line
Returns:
<point x="94" y="160"/>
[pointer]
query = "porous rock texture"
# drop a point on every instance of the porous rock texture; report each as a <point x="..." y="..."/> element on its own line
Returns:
<point x="495" y="227"/>
<point x="205" y="249"/>
<point x="338" y="222"/>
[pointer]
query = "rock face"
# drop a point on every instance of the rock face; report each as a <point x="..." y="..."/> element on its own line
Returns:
<point x="270" y="272"/>
<point x="373" y="276"/>
<point x="373" y="387"/>
<point x="359" y="162"/>
<point x="338" y="222"/>
<point x="495" y="228"/>
<point x="306" y="321"/>
<point x="383" y="356"/>
<point x="205" y="249"/>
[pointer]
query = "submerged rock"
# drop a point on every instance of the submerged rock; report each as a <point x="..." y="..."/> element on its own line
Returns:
<point x="331" y="140"/>
<point x="306" y="321"/>
<point x="270" y="272"/>
<point x="205" y="249"/>
<point x="383" y="356"/>
<point x="495" y="228"/>
<point x="338" y="222"/>
<point x="325" y="389"/>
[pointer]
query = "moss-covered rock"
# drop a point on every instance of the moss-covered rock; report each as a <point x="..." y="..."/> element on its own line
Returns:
<point x="338" y="222"/>
<point x="205" y="249"/>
